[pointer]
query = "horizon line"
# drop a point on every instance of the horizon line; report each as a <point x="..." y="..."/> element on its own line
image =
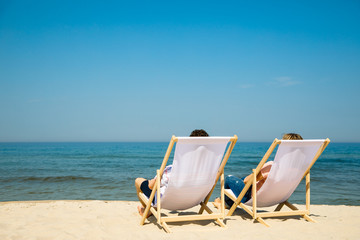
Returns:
<point x="160" y="141"/>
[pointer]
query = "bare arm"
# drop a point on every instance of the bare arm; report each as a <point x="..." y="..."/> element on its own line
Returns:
<point x="258" y="177"/>
<point x="262" y="175"/>
<point x="152" y="183"/>
<point x="266" y="169"/>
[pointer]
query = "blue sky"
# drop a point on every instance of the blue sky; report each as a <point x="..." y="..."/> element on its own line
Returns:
<point x="145" y="70"/>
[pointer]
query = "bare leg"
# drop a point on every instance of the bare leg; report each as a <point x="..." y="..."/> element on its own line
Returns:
<point x="138" y="183"/>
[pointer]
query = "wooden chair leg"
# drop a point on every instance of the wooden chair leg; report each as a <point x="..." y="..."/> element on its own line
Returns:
<point x="146" y="212"/>
<point x="166" y="227"/>
<point x="260" y="220"/>
<point x="289" y="205"/>
<point x="308" y="218"/>
<point x="221" y="223"/>
<point x="278" y="208"/>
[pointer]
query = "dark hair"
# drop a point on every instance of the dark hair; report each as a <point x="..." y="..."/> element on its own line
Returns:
<point x="292" y="136"/>
<point x="199" y="133"/>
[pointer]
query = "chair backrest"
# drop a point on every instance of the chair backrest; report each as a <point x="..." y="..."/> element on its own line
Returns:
<point x="195" y="166"/>
<point x="292" y="160"/>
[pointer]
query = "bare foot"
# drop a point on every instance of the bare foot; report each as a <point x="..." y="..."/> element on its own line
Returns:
<point x="141" y="211"/>
<point x="217" y="203"/>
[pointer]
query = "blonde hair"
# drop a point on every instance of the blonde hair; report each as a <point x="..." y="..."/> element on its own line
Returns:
<point x="292" y="136"/>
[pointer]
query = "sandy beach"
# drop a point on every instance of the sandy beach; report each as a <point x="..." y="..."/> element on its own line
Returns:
<point x="120" y="220"/>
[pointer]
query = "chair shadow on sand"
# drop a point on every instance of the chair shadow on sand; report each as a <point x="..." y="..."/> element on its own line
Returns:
<point x="239" y="212"/>
<point x="245" y="216"/>
<point x="153" y="220"/>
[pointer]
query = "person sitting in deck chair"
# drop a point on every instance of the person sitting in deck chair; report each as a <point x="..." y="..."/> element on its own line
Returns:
<point x="237" y="184"/>
<point x="145" y="186"/>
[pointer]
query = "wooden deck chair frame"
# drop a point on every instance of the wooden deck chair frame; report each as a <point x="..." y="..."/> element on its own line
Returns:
<point x="276" y="213"/>
<point x="161" y="220"/>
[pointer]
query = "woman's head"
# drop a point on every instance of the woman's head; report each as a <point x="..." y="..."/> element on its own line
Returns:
<point x="292" y="136"/>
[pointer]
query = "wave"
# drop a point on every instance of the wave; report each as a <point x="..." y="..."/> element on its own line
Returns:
<point x="48" y="179"/>
<point x="110" y="187"/>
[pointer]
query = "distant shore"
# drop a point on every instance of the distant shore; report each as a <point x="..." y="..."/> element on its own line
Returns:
<point x="93" y="219"/>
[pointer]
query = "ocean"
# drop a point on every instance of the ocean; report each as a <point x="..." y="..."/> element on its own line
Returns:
<point x="106" y="171"/>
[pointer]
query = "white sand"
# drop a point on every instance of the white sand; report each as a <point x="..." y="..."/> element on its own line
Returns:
<point x="120" y="220"/>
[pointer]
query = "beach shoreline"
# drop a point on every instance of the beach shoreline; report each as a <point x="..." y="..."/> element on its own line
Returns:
<point x="100" y="219"/>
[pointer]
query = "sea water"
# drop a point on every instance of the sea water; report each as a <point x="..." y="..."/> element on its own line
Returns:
<point x="106" y="171"/>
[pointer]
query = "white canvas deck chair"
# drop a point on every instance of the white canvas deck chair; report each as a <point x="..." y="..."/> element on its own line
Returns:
<point x="292" y="162"/>
<point x="197" y="166"/>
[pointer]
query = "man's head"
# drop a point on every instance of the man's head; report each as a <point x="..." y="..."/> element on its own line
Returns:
<point x="199" y="133"/>
<point x="292" y="136"/>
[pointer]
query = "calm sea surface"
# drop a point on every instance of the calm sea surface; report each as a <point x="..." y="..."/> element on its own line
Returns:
<point x="106" y="171"/>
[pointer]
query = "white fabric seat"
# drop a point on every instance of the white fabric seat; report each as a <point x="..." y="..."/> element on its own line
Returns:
<point x="195" y="165"/>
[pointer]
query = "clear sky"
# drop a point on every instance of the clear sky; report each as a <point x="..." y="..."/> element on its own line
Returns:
<point x="145" y="70"/>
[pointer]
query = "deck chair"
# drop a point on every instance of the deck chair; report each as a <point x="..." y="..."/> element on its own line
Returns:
<point x="197" y="166"/>
<point x="292" y="162"/>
